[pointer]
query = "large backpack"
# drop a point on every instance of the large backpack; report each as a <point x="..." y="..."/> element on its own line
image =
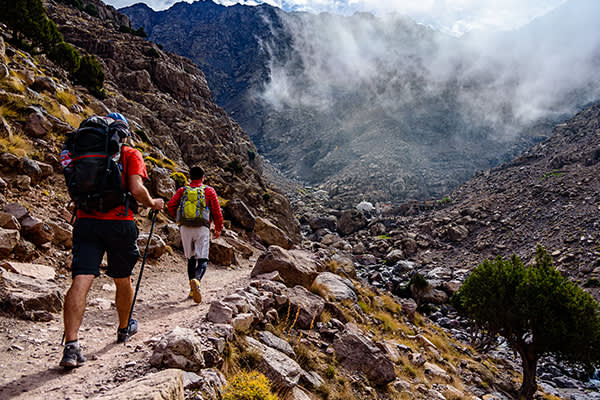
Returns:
<point x="93" y="175"/>
<point x="193" y="210"/>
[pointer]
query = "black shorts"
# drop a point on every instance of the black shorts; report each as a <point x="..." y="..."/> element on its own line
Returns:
<point x="93" y="237"/>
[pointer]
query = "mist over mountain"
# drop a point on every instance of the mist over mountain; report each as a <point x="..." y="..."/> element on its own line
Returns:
<point x="382" y="108"/>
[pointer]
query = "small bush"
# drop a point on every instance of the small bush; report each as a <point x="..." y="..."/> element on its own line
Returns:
<point x="330" y="372"/>
<point x="66" y="56"/>
<point x="91" y="9"/>
<point x="152" y="52"/>
<point x="234" y="166"/>
<point x="179" y="178"/>
<point x="140" y="32"/>
<point x="251" y="155"/>
<point x="266" y="197"/>
<point x="249" y="386"/>
<point x="90" y="75"/>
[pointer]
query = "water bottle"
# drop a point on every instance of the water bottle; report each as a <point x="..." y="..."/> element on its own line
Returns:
<point x="65" y="158"/>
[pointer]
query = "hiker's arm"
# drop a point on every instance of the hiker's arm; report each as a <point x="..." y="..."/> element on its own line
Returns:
<point x="141" y="194"/>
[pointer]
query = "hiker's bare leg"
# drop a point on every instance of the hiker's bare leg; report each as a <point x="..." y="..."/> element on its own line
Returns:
<point x="75" y="305"/>
<point x="123" y="299"/>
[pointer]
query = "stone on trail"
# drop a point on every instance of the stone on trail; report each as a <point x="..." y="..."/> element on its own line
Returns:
<point x="29" y="298"/>
<point x="36" y="271"/>
<point x="163" y="385"/>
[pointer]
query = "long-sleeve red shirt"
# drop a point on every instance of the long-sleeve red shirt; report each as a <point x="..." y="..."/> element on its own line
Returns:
<point x="211" y="201"/>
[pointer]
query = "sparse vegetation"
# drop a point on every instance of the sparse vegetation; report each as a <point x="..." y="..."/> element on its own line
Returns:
<point x="234" y="166"/>
<point x="536" y="309"/>
<point x="248" y="386"/>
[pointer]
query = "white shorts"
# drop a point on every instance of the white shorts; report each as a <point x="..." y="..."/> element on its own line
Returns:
<point x="195" y="240"/>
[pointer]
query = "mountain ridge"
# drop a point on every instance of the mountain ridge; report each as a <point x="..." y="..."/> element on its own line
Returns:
<point x="324" y="116"/>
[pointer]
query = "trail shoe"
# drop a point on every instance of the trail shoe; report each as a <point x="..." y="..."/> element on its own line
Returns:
<point x="72" y="356"/>
<point x="195" y="285"/>
<point x="123" y="334"/>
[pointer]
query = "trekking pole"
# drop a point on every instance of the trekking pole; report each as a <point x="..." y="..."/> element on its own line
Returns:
<point x="137" y="286"/>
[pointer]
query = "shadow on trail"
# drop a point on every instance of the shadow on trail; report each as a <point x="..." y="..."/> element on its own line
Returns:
<point x="29" y="383"/>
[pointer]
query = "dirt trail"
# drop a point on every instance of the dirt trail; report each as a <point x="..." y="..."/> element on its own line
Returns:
<point x="30" y="351"/>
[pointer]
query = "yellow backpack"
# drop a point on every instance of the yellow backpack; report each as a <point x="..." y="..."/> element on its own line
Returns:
<point x="193" y="210"/>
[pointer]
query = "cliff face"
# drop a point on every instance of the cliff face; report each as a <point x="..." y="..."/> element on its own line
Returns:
<point x="374" y="109"/>
<point x="168" y="99"/>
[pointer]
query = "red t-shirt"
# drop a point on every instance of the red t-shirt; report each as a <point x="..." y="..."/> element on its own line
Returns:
<point x="133" y="164"/>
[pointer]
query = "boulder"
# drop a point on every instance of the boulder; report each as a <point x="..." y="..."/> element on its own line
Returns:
<point x="16" y="210"/>
<point x="242" y="322"/>
<point x="8" y="221"/>
<point x="163" y="385"/>
<point x="275" y="342"/>
<point x="36" y="123"/>
<point x="36" y="271"/>
<point x="221" y="252"/>
<point x="219" y="313"/>
<point x="162" y="184"/>
<point x="209" y="382"/>
<point x="156" y="248"/>
<point x="270" y="234"/>
<point x="25" y="250"/>
<point x="172" y="236"/>
<point x="358" y="353"/>
<point x="9" y="239"/>
<point x="333" y="287"/>
<point x="351" y="221"/>
<point x="239" y="214"/>
<point x="29" y="298"/>
<point x="9" y="160"/>
<point x="457" y="233"/>
<point x="43" y="83"/>
<point x="63" y="233"/>
<point x="296" y="267"/>
<point x="181" y="348"/>
<point x="327" y="222"/>
<point x="282" y="371"/>
<point x="36" y="231"/>
<point x="345" y="265"/>
<point x="305" y="305"/>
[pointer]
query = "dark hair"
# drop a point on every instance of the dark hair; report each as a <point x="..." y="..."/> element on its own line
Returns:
<point x="196" y="173"/>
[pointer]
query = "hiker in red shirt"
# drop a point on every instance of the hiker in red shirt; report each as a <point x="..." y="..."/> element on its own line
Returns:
<point x="195" y="206"/>
<point x="112" y="232"/>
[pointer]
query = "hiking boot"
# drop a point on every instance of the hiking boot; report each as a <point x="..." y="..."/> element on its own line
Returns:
<point x="123" y="334"/>
<point x="195" y="285"/>
<point x="72" y="356"/>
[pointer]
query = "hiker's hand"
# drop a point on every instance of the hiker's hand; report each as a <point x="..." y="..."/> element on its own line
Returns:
<point x="158" y="204"/>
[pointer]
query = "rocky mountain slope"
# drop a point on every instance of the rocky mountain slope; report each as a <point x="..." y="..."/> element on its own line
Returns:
<point x="549" y="196"/>
<point x="380" y="109"/>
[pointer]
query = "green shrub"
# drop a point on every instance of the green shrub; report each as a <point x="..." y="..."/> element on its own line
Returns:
<point x="251" y="155"/>
<point x="28" y="19"/>
<point x="536" y="309"/>
<point x="152" y="52"/>
<point x="330" y="372"/>
<point x="248" y="386"/>
<point x="91" y="9"/>
<point x="66" y="56"/>
<point x="90" y="75"/>
<point x="234" y="166"/>
<point x="140" y="32"/>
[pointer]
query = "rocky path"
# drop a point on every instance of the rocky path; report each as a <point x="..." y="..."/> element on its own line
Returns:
<point x="30" y="351"/>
